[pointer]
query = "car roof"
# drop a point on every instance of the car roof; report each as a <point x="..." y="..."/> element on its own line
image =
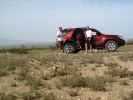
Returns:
<point x="74" y="28"/>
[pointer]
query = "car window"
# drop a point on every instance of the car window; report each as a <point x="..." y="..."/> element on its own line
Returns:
<point x="97" y="32"/>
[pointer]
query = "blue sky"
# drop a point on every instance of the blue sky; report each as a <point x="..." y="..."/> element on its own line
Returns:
<point x="37" y="20"/>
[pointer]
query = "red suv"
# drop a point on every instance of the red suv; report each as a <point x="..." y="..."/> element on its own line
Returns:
<point x="75" y="36"/>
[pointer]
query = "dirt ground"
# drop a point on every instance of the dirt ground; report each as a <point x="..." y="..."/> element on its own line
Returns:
<point x="49" y="74"/>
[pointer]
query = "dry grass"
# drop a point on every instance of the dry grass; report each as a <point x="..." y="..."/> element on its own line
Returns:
<point x="119" y="72"/>
<point x="129" y="97"/>
<point x="94" y="83"/>
<point x="22" y="50"/>
<point x="48" y="74"/>
<point x="4" y="96"/>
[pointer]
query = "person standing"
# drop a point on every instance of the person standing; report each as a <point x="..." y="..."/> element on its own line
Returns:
<point x="59" y="39"/>
<point x="93" y="40"/>
<point x="88" y="37"/>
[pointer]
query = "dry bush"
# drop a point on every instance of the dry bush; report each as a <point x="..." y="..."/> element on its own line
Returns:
<point x="124" y="82"/>
<point x="112" y="65"/>
<point x="49" y="96"/>
<point x="34" y="83"/>
<point x="129" y="97"/>
<point x="8" y="64"/>
<point x="3" y="72"/>
<point x="73" y="93"/>
<point x="94" y="83"/>
<point x="90" y="59"/>
<point x="119" y="72"/>
<point x="64" y="70"/>
<point x="15" y="50"/>
<point x="32" y="95"/>
<point x="4" y="96"/>
<point x="126" y="57"/>
<point x="25" y="75"/>
<point x="47" y="69"/>
<point x="58" y="70"/>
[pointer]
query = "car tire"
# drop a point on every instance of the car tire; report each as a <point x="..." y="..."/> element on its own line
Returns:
<point x="111" y="46"/>
<point x="68" y="48"/>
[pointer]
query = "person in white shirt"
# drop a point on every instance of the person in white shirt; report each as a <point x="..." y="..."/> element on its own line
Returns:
<point x="88" y="36"/>
<point x="59" y="39"/>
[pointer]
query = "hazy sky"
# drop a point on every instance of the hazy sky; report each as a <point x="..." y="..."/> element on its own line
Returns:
<point x="37" y="20"/>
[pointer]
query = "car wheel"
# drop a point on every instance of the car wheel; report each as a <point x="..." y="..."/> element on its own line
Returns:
<point x="68" y="48"/>
<point x="111" y="45"/>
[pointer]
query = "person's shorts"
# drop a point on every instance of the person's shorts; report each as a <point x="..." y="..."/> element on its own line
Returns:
<point x="59" y="44"/>
<point x="88" y="40"/>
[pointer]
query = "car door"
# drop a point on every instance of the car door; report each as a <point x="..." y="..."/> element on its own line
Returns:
<point x="98" y="38"/>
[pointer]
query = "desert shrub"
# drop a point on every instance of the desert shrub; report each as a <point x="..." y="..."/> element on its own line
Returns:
<point x="75" y="82"/>
<point x="124" y="82"/>
<point x="112" y="65"/>
<point x="129" y="97"/>
<point x="3" y="73"/>
<point x="127" y="57"/>
<point x="4" y="96"/>
<point x="6" y="69"/>
<point x="15" y="50"/>
<point x="32" y="95"/>
<point x="95" y="59"/>
<point x="24" y="75"/>
<point x="19" y="50"/>
<point x="64" y="70"/>
<point x="119" y="72"/>
<point x="94" y="83"/>
<point x="49" y="96"/>
<point x="10" y="64"/>
<point x="34" y="83"/>
<point x="59" y="71"/>
<point x="73" y="93"/>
